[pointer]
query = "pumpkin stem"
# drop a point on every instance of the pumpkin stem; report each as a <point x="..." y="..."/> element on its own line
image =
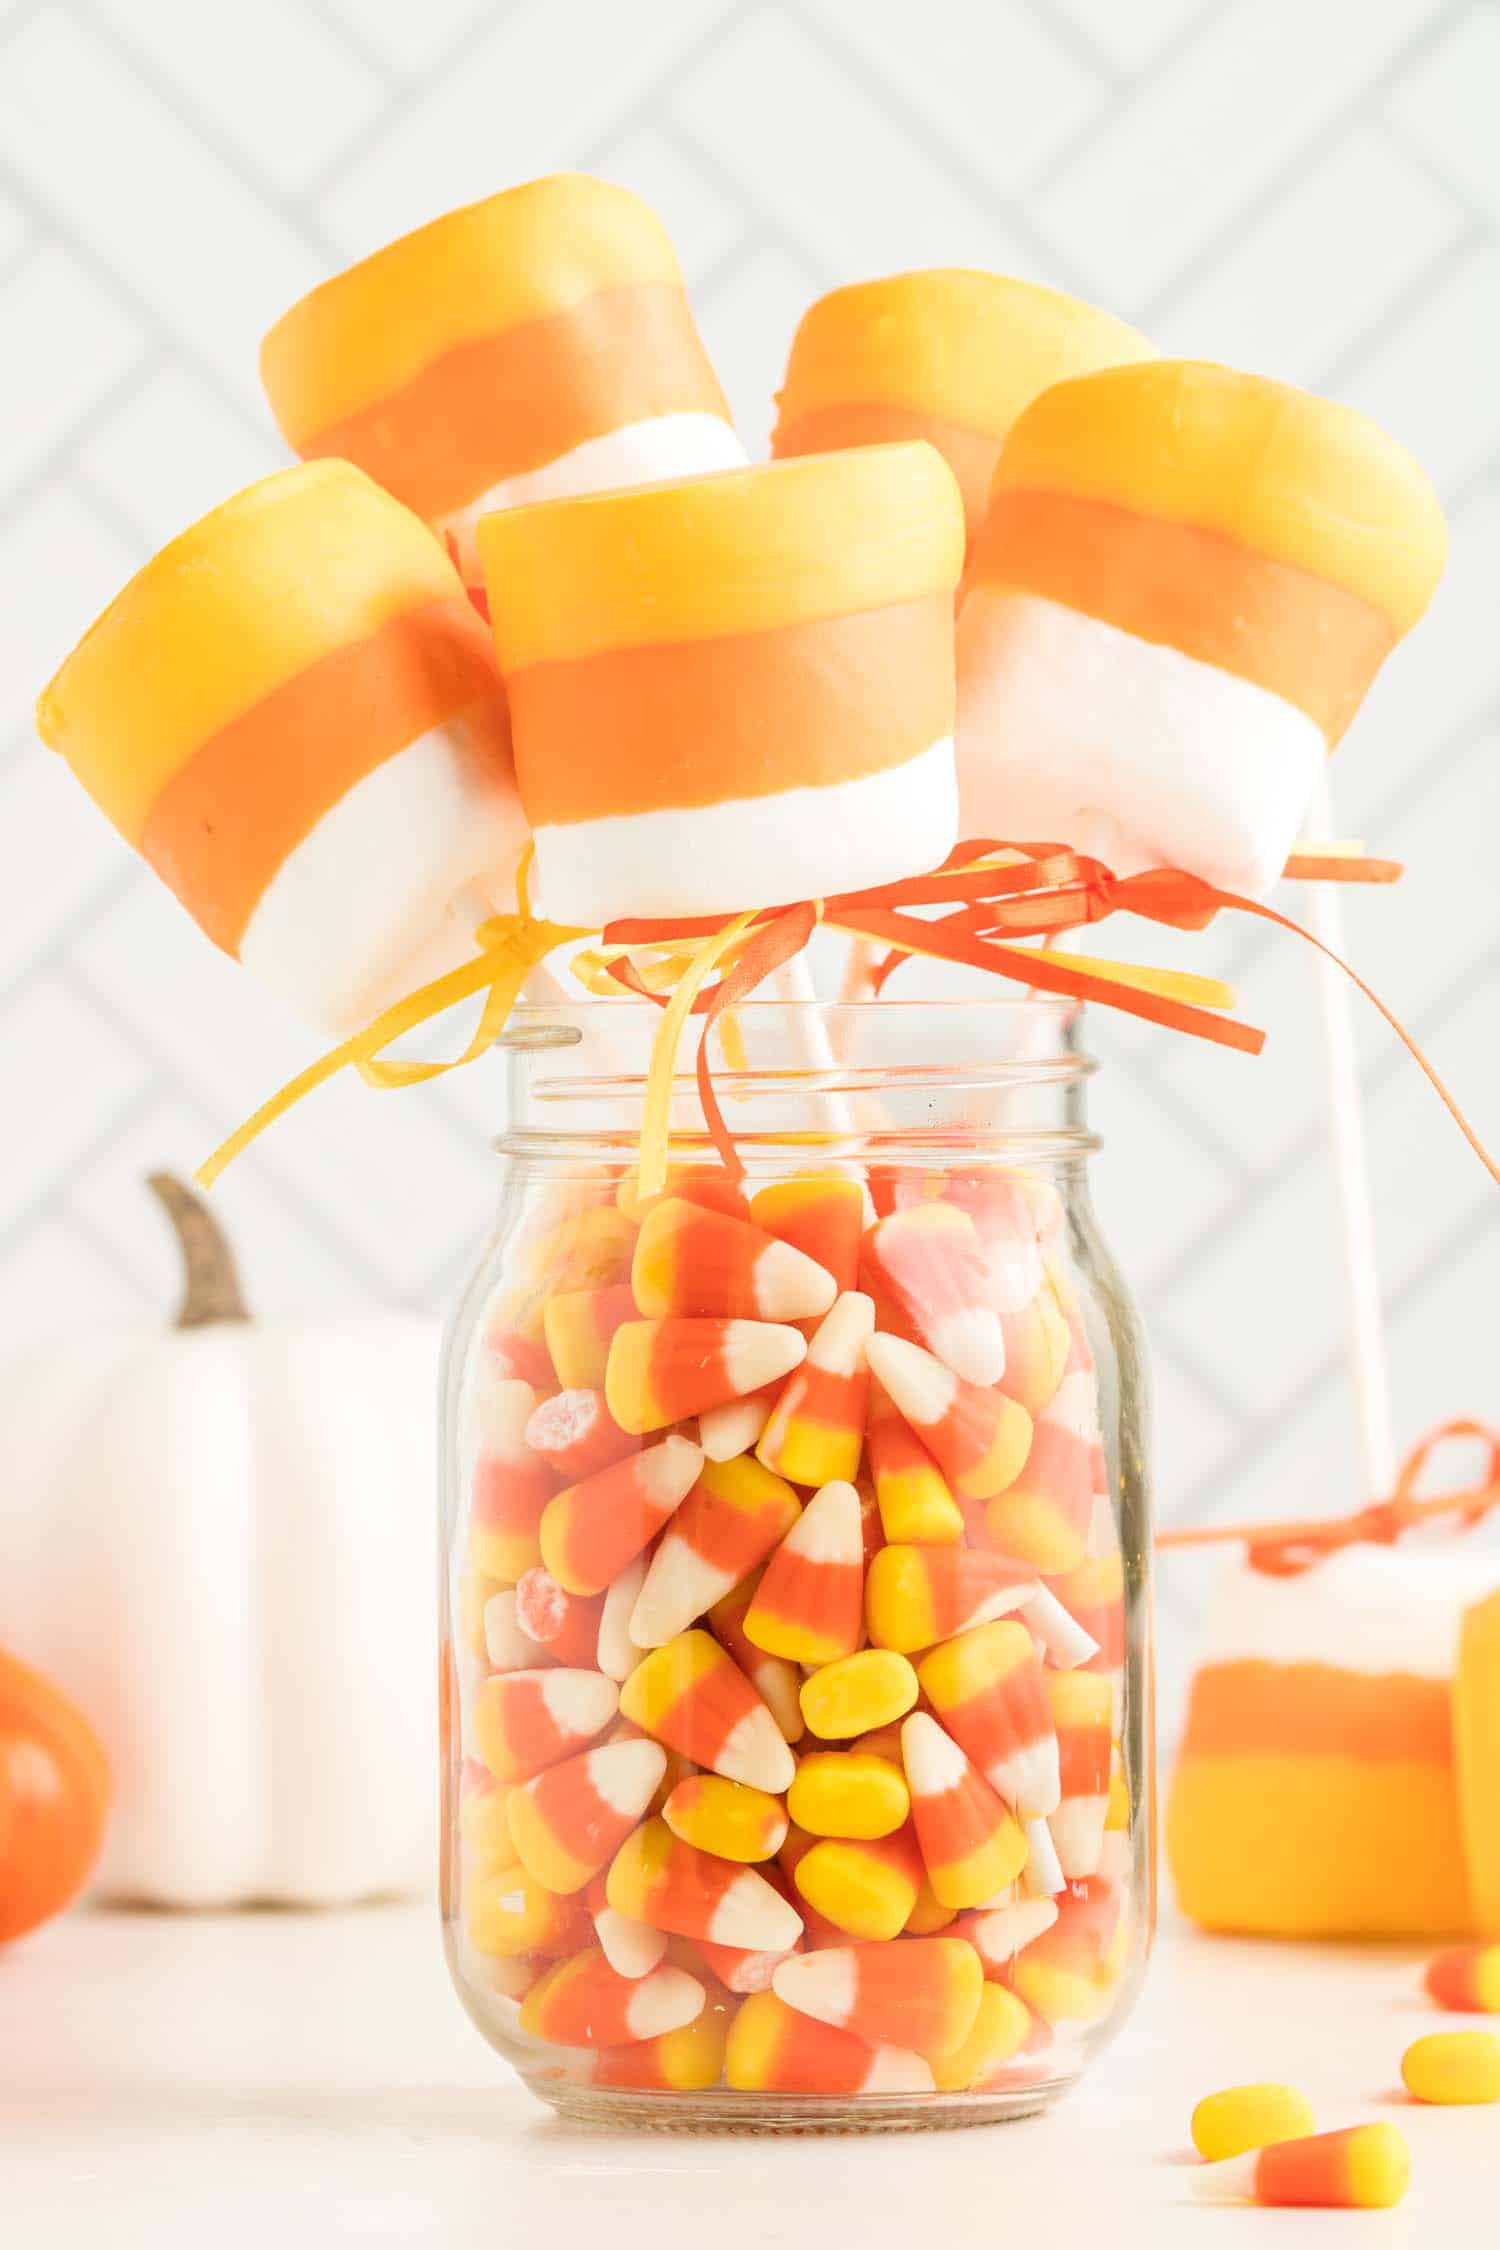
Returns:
<point x="211" y="1283"/>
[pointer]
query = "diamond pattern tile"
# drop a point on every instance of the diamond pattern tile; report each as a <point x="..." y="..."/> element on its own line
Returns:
<point x="1315" y="190"/>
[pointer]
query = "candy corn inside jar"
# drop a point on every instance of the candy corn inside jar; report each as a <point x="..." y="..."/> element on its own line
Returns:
<point x="797" y="1763"/>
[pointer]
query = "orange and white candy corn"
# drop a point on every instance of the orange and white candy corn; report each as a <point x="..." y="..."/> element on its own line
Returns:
<point x="856" y="1694"/>
<point x="567" y="1821"/>
<point x="592" y="1530"/>
<point x="917" y="1596"/>
<point x="686" y="2061"/>
<point x="928" y="1261"/>
<point x="1176" y="553"/>
<point x="732" y="691"/>
<point x="774" y="2048"/>
<point x="775" y="1679"/>
<point x="577" y="1436"/>
<point x="1081" y="1708"/>
<point x="821" y="1214"/>
<point x="534" y="344"/>
<point x="661" y="1371"/>
<point x="507" y="1644"/>
<point x="816" y="1431"/>
<point x="979" y="1438"/>
<point x="632" y="1949"/>
<point x="950" y="355"/>
<point x="656" y="1878"/>
<point x="688" y="1183"/>
<point x="1043" y="1516"/>
<point x="293" y="714"/>
<point x="1362" y="2168"/>
<point x="726" y="1431"/>
<point x="483" y="1829"/>
<point x="564" y="1625"/>
<point x="851" y="1793"/>
<point x="911" y="1492"/>
<point x="694" y="1698"/>
<point x="988" y="1689"/>
<point x="524" y="1721"/>
<point x="1003" y="2029"/>
<point x="868" y="1887"/>
<point x="689" y="1260"/>
<point x="736" y="1512"/>
<point x="972" y="1845"/>
<point x="508" y="1913"/>
<point x="585" y="2003"/>
<point x="1038" y="1343"/>
<point x="1094" y="1597"/>
<point x="579" y="1326"/>
<point x="739" y="1969"/>
<point x="923" y="1995"/>
<point x="999" y="1933"/>
<point x="809" y="1603"/>
<point x="726" y="1818"/>
<point x="616" y="1651"/>
<point x="510" y="1484"/>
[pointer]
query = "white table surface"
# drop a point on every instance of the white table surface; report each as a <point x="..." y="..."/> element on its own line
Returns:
<point x="307" y="2079"/>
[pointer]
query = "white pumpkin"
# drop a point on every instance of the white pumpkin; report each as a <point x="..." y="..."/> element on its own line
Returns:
<point x="220" y="1541"/>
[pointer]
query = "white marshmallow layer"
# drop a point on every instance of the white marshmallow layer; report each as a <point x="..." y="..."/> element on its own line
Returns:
<point x="667" y="445"/>
<point x="1365" y="1609"/>
<point x="386" y="891"/>
<point x="753" y="851"/>
<point x="1069" y="728"/>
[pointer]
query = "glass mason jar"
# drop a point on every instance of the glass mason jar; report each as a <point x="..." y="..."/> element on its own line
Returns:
<point x="798" y="1725"/>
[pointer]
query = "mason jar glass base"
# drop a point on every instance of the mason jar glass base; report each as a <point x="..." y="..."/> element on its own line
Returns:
<point x="726" y="2112"/>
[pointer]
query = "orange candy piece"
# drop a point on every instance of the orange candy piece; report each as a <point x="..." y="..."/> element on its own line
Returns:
<point x="585" y="2003"/>
<point x="927" y="1260"/>
<point x="817" y="1427"/>
<point x="689" y="1260"/>
<point x="821" y="1214"/>
<point x="808" y="1605"/>
<point x="979" y="1438"/>
<point x="922" y="1995"/>
<point x="661" y="1371"/>
<point x="972" y="1846"/>
<point x="917" y="1596"/>
<point x="579" y="1326"/>
<point x="592" y="1530"/>
<point x="774" y="2049"/>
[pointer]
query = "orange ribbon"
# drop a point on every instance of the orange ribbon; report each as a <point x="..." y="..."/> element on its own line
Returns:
<point x="1282" y="1550"/>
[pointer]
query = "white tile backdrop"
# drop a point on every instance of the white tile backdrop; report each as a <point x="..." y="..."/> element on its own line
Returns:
<point x="1310" y="186"/>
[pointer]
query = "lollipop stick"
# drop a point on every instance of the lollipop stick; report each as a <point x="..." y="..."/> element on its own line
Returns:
<point x="809" y="1040"/>
<point x="1369" y="1369"/>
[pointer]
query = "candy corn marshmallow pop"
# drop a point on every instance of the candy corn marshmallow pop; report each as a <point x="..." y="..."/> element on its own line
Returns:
<point x="733" y="691"/>
<point x="949" y="355"/>
<point x="294" y="715"/>
<point x="1186" y="581"/>
<point x="536" y="344"/>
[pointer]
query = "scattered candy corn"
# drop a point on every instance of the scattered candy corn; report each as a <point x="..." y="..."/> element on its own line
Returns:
<point x="1453" y="2067"/>
<point x="1365" y="2167"/>
<point x="693" y="1697"/>
<point x="736" y="1512"/>
<point x="1246" y="2117"/>
<point x="660" y="1371"/>
<point x="809" y="1603"/>
<point x="1467" y="1978"/>
<point x="979" y="1438"/>
<point x="689" y="1260"/>
<point x="816" y="1432"/>
<point x="592" y="1530"/>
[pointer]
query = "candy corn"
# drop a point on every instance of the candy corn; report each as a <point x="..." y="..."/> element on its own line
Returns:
<point x="726" y="1818"/>
<point x="592" y="1530"/>
<point x="656" y="1878"/>
<point x="865" y="1887"/>
<point x="822" y="1215"/>
<point x="685" y="1183"/>
<point x="617" y="1652"/>
<point x="735" y="1427"/>
<point x="858" y="1693"/>
<point x="524" y="1721"/>
<point x="775" y="1679"/>
<point x="916" y="1596"/>
<point x="691" y="1696"/>
<point x="660" y="1371"/>
<point x="928" y="1261"/>
<point x="508" y="1913"/>
<point x="1094" y="1597"/>
<point x="816" y="1431"/>
<point x="978" y="1438"/>
<point x="1043" y="1518"/>
<point x="988" y="1689"/>
<point x="999" y="1933"/>
<point x="808" y="1605"/>
<point x="567" y="1821"/>
<point x="632" y="1949"/>
<point x="776" y="2049"/>
<point x="1362" y="2168"/>
<point x="1453" y="2067"/>
<point x="482" y="1824"/>
<point x="1080" y="1703"/>
<point x="1037" y="1343"/>
<point x="577" y="1436"/>
<point x="692" y="1261"/>
<point x="1466" y="1978"/>
<point x="585" y="2003"/>
<point x="848" y="1793"/>
<point x="686" y="2061"/>
<point x="579" y="1327"/>
<point x="971" y="1845"/>
<point x="564" y="1626"/>
<point x="1063" y="1640"/>
<point x="1003" y="2029"/>
<point x="507" y="1644"/>
<point x="1042" y="1876"/>
<point x="916" y="1507"/>
<point x="511" y="1484"/>
<point x="735" y="1514"/>
<point x="923" y="1995"/>
<point x="1245" y="2117"/>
